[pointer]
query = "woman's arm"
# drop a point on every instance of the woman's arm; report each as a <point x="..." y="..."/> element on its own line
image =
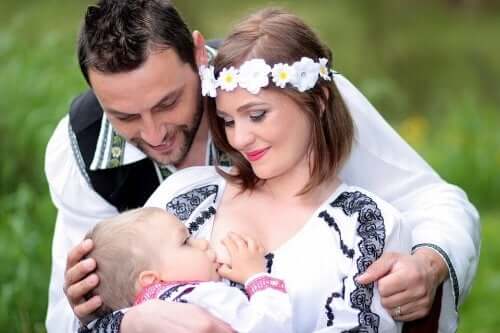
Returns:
<point x="439" y="215"/>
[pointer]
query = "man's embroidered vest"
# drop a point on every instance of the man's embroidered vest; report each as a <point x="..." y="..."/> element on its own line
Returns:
<point x="125" y="187"/>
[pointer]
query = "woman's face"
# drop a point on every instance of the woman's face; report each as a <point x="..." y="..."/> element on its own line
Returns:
<point x="269" y="129"/>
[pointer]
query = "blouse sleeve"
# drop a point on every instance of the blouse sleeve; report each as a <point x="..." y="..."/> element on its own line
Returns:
<point x="439" y="214"/>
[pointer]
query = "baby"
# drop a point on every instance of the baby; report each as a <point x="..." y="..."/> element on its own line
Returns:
<point x="147" y="253"/>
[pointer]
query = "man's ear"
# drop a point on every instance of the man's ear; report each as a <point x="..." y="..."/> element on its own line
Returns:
<point x="200" y="52"/>
<point x="147" y="278"/>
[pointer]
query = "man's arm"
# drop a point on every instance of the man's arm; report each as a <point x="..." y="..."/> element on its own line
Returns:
<point x="439" y="214"/>
<point x="79" y="208"/>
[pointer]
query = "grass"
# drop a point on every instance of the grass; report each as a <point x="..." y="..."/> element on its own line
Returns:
<point x="421" y="63"/>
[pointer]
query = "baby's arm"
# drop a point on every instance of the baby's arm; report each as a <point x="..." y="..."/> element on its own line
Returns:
<point x="268" y="307"/>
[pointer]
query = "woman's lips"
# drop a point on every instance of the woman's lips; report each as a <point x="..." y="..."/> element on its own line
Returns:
<point x="256" y="155"/>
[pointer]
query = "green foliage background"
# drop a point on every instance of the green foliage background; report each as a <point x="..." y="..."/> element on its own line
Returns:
<point x="432" y="68"/>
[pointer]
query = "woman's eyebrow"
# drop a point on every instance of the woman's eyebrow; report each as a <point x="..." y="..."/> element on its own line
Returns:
<point x="243" y="107"/>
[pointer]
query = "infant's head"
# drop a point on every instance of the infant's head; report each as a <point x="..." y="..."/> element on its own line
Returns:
<point x="144" y="246"/>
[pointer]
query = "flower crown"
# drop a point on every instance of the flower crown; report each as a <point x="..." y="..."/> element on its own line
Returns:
<point x="254" y="75"/>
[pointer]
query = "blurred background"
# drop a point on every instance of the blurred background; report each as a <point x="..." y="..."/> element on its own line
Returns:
<point x="432" y="68"/>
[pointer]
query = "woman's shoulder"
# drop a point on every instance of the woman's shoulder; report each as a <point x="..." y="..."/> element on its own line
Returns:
<point x="184" y="181"/>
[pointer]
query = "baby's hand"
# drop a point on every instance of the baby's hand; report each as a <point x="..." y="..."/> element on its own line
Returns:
<point x="247" y="258"/>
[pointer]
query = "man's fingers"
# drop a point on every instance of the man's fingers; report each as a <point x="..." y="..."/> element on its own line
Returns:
<point x="77" y="291"/>
<point x="78" y="272"/>
<point x="84" y="310"/>
<point x="392" y="284"/>
<point x="378" y="269"/>
<point x="77" y="253"/>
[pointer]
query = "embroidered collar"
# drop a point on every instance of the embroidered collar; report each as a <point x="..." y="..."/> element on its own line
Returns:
<point x="113" y="151"/>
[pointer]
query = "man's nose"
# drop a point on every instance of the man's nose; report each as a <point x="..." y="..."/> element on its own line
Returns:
<point x="152" y="132"/>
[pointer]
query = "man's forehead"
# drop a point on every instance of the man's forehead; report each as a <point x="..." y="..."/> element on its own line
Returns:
<point x="142" y="88"/>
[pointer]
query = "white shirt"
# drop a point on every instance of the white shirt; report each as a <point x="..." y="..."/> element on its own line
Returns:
<point x="319" y="263"/>
<point x="439" y="214"/>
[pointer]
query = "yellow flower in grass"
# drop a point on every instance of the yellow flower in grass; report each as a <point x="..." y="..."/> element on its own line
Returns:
<point x="415" y="129"/>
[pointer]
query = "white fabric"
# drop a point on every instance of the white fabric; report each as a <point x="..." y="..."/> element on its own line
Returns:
<point x="381" y="162"/>
<point x="269" y="310"/>
<point x="311" y="262"/>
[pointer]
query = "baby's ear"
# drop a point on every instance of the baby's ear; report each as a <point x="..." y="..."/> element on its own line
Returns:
<point x="147" y="278"/>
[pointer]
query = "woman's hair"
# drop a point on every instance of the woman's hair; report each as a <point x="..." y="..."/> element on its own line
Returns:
<point x="280" y="37"/>
<point x="121" y="253"/>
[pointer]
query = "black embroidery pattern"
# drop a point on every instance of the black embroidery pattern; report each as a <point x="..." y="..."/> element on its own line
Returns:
<point x="269" y="264"/>
<point x="185" y="292"/>
<point x="329" y="312"/>
<point x="183" y="205"/>
<point x="372" y="232"/>
<point x="168" y="293"/>
<point x="240" y="286"/>
<point x="200" y="220"/>
<point x="349" y="253"/>
<point x="109" y="324"/>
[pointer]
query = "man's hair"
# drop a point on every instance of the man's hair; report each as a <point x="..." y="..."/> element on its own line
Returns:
<point x="280" y="37"/>
<point x="118" y="35"/>
<point x="121" y="253"/>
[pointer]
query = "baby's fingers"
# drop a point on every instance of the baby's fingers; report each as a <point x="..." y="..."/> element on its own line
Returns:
<point x="225" y="271"/>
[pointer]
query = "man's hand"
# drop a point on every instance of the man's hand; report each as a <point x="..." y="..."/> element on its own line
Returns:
<point x="407" y="283"/>
<point x="160" y="316"/>
<point x="247" y="258"/>
<point x="78" y="282"/>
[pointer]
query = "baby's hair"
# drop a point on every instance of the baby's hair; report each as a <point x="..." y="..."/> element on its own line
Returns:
<point x="121" y="254"/>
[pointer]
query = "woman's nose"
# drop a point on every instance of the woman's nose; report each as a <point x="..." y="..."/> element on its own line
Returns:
<point x="241" y="137"/>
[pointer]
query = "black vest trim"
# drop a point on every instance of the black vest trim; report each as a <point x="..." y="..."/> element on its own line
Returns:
<point x="125" y="187"/>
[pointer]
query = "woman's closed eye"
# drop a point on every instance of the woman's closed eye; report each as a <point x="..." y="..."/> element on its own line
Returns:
<point x="257" y="115"/>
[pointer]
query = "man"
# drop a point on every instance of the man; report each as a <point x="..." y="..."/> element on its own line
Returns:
<point x="143" y="119"/>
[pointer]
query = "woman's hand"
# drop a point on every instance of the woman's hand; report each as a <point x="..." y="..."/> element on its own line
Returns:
<point x="78" y="282"/>
<point x="160" y="316"/>
<point x="407" y="283"/>
<point x="247" y="258"/>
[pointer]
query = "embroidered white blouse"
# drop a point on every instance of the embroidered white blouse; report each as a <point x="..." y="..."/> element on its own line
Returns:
<point x="438" y="214"/>
<point x="348" y="232"/>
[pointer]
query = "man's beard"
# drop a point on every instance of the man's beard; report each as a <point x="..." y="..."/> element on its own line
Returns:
<point x="185" y="133"/>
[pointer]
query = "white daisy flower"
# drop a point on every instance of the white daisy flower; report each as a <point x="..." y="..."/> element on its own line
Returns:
<point x="323" y="69"/>
<point x="228" y="79"/>
<point x="253" y="75"/>
<point x="307" y="74"/>
<point x="282" y="74"/>
<point x="208" y="82"/>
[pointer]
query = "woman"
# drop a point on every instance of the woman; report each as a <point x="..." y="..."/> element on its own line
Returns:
<point x="287" y="140"/>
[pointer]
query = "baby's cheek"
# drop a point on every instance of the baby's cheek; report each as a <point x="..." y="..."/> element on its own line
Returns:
<point x="222" y="255"/>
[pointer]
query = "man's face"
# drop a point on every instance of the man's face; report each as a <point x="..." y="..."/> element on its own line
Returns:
<point x="156" y="107"/>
